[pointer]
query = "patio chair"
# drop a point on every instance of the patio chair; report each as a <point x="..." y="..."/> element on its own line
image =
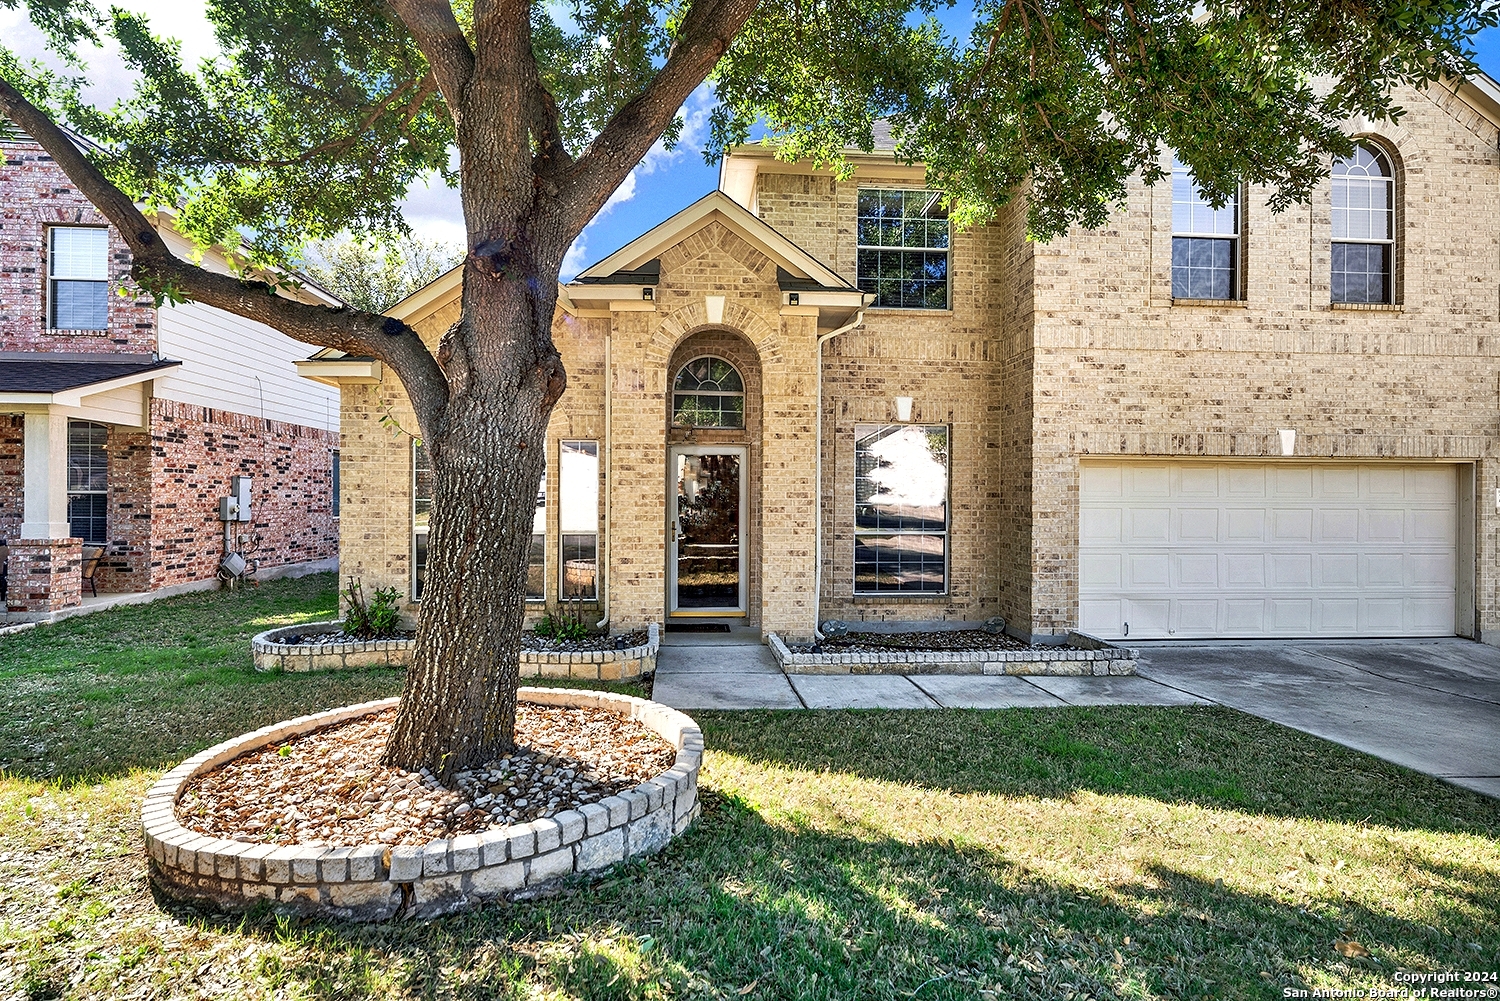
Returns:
<point x="91" y="557"/>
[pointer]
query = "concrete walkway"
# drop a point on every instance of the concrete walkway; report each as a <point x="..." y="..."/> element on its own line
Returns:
<point x="1431" y="705"/>
<point x="737" y="672"/>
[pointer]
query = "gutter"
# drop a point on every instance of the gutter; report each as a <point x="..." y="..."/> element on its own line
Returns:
<point x="859" y="318"/>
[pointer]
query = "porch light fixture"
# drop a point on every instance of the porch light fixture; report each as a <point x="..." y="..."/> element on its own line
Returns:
<point x="794" y="298"/>
<point x="903" y="409"/>
<point x="648" y="293"/>
<point x="1288" y="441"/>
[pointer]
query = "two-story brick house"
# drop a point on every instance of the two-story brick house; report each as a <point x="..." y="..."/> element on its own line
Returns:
<point x="122" y="424"/>
<point x="805" y="398"/>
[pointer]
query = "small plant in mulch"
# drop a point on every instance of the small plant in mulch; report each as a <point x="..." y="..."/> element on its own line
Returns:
<point x="377" y="619"/>
<point x="566" y="624"/>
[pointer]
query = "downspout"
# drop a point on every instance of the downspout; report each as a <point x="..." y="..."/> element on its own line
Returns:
<point x="606" y="536"/>
<point x="859" y="318"/>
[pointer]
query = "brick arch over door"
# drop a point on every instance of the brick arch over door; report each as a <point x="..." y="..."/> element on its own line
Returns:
<point x="735" y="348"/>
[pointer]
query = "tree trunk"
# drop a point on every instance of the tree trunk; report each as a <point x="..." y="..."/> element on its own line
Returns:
<point x="458" y="707"/>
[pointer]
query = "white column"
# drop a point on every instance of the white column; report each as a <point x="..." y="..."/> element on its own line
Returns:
<point x="45" y="463"/>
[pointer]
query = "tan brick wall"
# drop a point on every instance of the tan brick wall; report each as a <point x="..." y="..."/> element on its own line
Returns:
<point x="1120" y="370"/>
<point x="1049" y="352"/>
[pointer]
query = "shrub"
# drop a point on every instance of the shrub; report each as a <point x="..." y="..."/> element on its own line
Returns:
<point x="378" y="619"/>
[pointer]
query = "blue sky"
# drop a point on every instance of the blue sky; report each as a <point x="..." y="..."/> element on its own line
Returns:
<point x="663" y="183"/>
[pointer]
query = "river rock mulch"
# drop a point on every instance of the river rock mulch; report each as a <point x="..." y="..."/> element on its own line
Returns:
<point x="529" y="641"/>
<point x="914" y="642"/>
<point x="327" y="788"/>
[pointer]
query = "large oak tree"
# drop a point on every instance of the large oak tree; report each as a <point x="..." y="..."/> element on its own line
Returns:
<point x="319" y="114"/>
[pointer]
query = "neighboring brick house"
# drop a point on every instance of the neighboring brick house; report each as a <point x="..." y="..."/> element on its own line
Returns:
<point x="1189" y="423"/>
<point x="121" y="424"/>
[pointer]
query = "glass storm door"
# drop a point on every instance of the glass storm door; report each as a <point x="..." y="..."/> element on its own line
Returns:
<point x="705" y="536"/>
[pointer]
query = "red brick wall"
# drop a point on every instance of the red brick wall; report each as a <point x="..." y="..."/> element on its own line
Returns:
<point x="35" y="193"/>
<point x="12" y="479"/>
<point x="126" y="565"/>
<point x="194" y="452"/>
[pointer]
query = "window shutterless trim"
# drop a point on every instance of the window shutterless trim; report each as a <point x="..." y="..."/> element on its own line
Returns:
<point x="946" y="250"/>
<point x="97" y="277"/>
<point x="946" y="533"/>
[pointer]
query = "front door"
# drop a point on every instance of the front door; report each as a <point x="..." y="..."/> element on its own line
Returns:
<point x="706" y="530"/>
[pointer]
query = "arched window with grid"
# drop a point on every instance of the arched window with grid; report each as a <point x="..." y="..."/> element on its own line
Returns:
<point x="708" y="393"/>
<point x="1364" y="228"/>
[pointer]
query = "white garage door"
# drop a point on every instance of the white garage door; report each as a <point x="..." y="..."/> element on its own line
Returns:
<point x="1200" y="549"/>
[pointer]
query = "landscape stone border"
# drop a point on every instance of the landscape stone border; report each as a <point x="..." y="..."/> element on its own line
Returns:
<point x="339" y="654"/>
<point x="374" y="882"/>
<point x="1081" y="655"/>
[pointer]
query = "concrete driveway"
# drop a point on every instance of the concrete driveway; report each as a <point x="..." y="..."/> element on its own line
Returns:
<point x="1431" y="705"/>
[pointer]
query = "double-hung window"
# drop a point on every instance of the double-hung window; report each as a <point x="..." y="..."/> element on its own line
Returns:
<point x="88" y="482"/>
<point x="536" y="570"/>
<point x="77" y="278"/>
<point x="1364" y="228"/>
<point x="900" y="509"/>
<point x="578" y="520"/>
<point x="1205" y="241"/>
<point x="902" y="248"/>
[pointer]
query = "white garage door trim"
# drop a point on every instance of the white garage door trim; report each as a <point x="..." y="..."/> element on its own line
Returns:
<point x="1189" y="549"/>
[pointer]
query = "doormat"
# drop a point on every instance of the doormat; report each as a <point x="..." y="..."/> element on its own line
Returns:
<point x="697" y="627"/>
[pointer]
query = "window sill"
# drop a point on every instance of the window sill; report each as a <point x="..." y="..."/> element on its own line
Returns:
<point x="1369" y="307"/>
<point x="81" y="331"/>
<point x="907" y="311"/>
<point x="1215" y="303"/>
<point x="875" y="596"/>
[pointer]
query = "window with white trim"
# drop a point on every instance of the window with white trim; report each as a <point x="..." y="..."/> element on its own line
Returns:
<point x="578" y="520"/>
<point x="421" y="506"/>
<point x="900" y="509"/>
<point x="708" y="393"/>
<point x="902" y="243"/>
<point x="88" y="482"/>
<point x="1364" y="228"/>
<point x="77" y="278"/>
<point x="1205" y="241"/>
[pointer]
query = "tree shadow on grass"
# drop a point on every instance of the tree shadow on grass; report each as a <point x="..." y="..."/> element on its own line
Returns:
<point x="1213" y="756"/>
<point x="790" y="910"/>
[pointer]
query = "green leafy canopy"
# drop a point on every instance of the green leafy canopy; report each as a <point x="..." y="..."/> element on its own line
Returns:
<point x="318" y="116"/>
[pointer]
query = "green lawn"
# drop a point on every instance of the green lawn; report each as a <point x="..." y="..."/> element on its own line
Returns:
<point x="1067" y="853"/>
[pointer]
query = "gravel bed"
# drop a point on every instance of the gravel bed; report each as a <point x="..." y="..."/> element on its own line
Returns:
<point x="531" y="641"/>
<point x="313" y="639"/>
<point x="327" y="788"/>
<point x="921" y="642"/>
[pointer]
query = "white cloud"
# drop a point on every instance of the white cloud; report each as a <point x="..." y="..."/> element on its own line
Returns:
<point x="695" y="111"/>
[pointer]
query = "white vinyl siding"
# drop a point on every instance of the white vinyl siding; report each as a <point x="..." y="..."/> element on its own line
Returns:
<point x="1284" y="549"/>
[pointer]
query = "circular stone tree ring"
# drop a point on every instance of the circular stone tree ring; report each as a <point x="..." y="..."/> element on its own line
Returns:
<point x="375" y="882"/>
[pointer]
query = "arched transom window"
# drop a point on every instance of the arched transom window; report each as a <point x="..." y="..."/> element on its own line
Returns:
<point x="1364" y="227"/>
<point x="708" y="393"/>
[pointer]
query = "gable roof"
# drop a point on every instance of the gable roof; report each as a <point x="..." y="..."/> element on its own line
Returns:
<point x="626" y="265"/>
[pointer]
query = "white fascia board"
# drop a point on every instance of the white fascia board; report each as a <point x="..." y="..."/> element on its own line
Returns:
<point x="714" y="206"/>
<point x="74" y="397"/>
<point x="330" y="372"/>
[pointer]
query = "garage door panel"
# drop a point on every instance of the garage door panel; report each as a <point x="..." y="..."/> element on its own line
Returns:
<point x="1336" y="570"/>
<point x="1385" y="571"/>
<point x="1198" y="525"/>
<point x="1150" y="570"/>
<point x="1291" y="570"/>
<point x="1202" y="549"/>
<point x="1149" y="524"/>
<point x="1338" y="525"/>
<point x="1338" y="616"/>
<point x="1292" y="482"/>
<point x="1197" y="570"/>
<point x="1197" y="617"/>
<point x="1246" y="524"/>
<point x="1292" y="524"/>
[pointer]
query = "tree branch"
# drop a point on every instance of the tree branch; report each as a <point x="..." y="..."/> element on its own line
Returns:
<point x="707" y="30"/>
<point x="436" y="32"/>
<point x="155" y="266"/>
